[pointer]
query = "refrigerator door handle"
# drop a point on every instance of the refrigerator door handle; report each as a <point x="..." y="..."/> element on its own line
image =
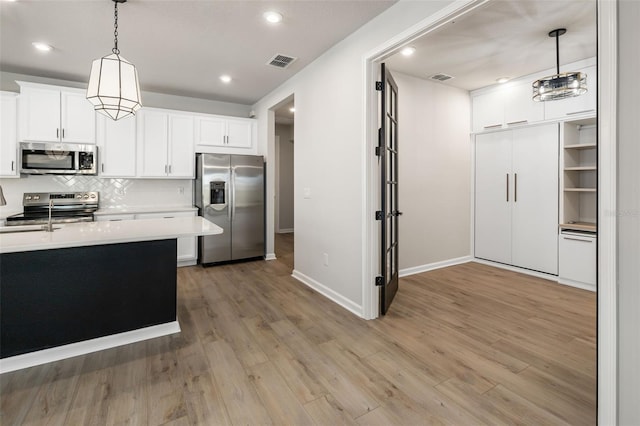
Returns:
<point x="232" y="210"/>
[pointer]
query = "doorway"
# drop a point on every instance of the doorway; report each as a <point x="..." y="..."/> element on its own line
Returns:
<point x="284" y="125"/>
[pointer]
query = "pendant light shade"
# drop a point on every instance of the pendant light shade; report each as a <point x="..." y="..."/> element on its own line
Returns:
<point x="113" y="84"/>
<point x="559" y="86"/>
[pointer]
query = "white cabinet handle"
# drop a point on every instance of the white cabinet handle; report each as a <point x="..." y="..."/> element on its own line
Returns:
<point x="12" y="165"/>
<point x="581" y="112"/>
<point x="169" y="168"/>
<point x="57" y="133"/>
<point x="517" y="122"/>
<point x="492" y="126"/>
<point x="578" y="239"/>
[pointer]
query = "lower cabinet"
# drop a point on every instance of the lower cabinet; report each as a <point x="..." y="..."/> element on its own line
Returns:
<point x="187" y="246"/>
<point x="577" y="258"/>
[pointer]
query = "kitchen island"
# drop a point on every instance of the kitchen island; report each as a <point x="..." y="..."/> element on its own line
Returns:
<point x="88" y="286"/>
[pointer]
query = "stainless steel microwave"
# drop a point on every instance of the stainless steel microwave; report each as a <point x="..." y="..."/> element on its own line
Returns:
<point x="58" y="158"/>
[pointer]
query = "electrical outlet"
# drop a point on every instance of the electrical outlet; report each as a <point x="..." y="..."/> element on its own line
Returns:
<point x="307" y="193"/>
<point x="326" y="259"/>
<point x="181" y="190"/>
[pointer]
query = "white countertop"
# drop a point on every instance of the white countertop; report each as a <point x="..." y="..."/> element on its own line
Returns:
<point x="143" y="209"/>
<point x="98" y="233"/>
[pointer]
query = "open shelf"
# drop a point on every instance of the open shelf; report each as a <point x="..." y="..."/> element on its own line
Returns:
<point x="581" y="146"/>
<point x="580" y="189"/>
<point x="580" y="226"/>
<point x="580" y="168"/>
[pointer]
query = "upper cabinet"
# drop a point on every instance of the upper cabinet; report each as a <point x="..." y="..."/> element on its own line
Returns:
<point x="215" y="132"/>
<point x="511" y="104"/>
<point x="117" y="146"/>
<point x="54" y="114"/>
<point x="165" y="144"/>
<point x="570" y="108"/>
<point x="8" y="135"/>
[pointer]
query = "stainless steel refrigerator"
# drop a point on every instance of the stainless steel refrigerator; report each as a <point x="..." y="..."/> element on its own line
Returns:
<point x="229" y="191"/>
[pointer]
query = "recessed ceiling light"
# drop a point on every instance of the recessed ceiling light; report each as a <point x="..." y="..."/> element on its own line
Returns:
<point x="225" y="79"/>
<point x="408" y="51"/>
<point x="292" y="109"/>
<point x="44" y="47"/>
<point x="503" y="80"/>
<point x="273" y="17"/>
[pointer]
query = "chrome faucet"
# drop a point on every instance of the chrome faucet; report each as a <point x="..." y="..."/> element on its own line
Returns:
<point x="49" y="226"/>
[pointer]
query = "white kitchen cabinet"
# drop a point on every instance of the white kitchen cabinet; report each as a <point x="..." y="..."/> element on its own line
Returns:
<point x="577" y="259"/>
<point x="583" y="105"/>
<point x="8" y="135"/>
<point x="165" y="144"/>
<point x="516" y="199"/>
<point x="116" y="141"/>
<point x="55" y="114"/>
<point x="519" y="106"/>
<point x="488" y="110"/>
<point x="224" y="132"/>
<point x="187" y="246"/>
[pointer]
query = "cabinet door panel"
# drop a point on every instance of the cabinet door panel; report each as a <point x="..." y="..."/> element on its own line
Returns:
<point x="535" y="203"/>
<point x="78" y="118"/>
<point x="153" y="144"/>
<point x="578" y="258"/>
<point x="488" y="110"/>
<point x="520" y="108"/>
<point x="40" y="114"/>
<point x="8" y="136"/>
<point x="492" y="204"/>
<point x="117" y="147"/>
<point x="181" y="157"/>
<point x="210" y="131"/>
<point x="583" y="104"/>
<point x="239" y="134"/>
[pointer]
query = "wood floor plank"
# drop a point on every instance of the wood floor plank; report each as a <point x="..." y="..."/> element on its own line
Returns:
<point x="464" y="345"/>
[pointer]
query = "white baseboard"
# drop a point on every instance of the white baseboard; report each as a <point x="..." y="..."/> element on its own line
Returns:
<point x="182" y="263"/>
<point x="270" y="256"/>
<point x="577" y="284"/>
<point x="285" y="231"/>
<point x="328" y="293"/>
<point x="81" y="348"/>
<point x="435" y="265"/>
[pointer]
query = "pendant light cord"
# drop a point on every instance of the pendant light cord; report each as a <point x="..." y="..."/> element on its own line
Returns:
<point x="557" y="51"/>
<point x="115" y="30"/>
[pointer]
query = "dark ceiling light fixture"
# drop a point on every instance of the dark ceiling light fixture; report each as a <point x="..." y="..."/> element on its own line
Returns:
<point x="113" y="84"/>
<point x="559" y="86"/>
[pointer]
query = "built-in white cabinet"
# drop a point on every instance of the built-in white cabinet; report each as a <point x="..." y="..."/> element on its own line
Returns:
<point x="8" y="135"/>
<point x="577" y="258"/>
<point x="586" y="104"/>
<point x="165" y="144"/>
<point x="187" y="249"/>
<point x="516" y="197"/>
<point x="117" y="148"/>
<point x="54" y="114"/>
<point x="224" y="132"/>
<point x="505" y="106"/>
<point x="187" y="246"/>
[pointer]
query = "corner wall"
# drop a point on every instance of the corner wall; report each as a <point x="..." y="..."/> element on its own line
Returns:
<point x="434" y="173"/>
<point x="329" y="156"/>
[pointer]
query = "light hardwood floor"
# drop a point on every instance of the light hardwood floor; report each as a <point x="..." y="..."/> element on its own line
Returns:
<point x="464" y="345"/>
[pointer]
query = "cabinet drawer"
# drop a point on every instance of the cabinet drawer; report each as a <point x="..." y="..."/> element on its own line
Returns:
<point x="577" y="256"/>
<point x="114" y="217"/>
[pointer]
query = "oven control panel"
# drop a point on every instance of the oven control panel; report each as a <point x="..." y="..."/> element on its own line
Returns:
<point x="60" y="198"/>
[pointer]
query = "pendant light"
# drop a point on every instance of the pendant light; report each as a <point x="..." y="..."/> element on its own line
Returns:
<point x="559" y="86"/>
<point x="113" y="84"/>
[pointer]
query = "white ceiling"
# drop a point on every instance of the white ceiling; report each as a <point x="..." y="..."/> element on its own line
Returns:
<point x="179" y="47"/>
<point x="503" y="39"/>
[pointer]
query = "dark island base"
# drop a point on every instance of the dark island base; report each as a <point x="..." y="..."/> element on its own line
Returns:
<point x="56" y="297"/>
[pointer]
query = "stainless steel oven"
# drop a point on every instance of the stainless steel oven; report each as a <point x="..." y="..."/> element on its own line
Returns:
<point x="58" y="158"/>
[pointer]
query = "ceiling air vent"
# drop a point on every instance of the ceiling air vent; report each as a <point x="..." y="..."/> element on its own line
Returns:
<point x="281" y="61"/>
<point x="441" y="77"/>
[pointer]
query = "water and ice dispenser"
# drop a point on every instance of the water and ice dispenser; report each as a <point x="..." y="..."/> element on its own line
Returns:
<point x="217" y="192"/>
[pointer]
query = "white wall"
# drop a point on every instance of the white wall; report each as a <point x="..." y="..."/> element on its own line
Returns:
<point x="434" y="172"/>
<point x="329" y="155"/>
<point x="628" y="213"/>
<point x="285" y="153"/>
<point x="149" y="99"/>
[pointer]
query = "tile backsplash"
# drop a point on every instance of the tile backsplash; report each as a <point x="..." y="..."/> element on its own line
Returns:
<point x="113" y="192"/>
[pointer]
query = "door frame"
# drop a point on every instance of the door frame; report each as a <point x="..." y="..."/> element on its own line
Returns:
<point x="607" y="171"/>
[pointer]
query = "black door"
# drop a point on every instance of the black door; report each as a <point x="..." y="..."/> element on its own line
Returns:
<point x="388" y="214"/>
